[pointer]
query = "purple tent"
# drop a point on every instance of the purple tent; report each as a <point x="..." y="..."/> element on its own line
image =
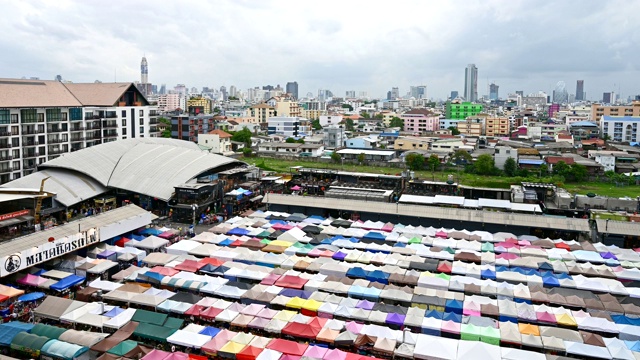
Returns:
<point x="395" y="319"/>
<point x="339" y="256"/>
<point x="608" y="255"/>
<point x="295" y="292"/>
<point x="364" y="304"/>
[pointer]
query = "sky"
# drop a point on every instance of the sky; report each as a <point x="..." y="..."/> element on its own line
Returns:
<point x="337" y="45"/>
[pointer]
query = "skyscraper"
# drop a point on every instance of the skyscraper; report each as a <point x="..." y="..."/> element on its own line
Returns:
<point x="560" y="94"/>
<point x="395" y="93"/>
<point x="350" y="94"/>
<point x="144" y="71"/>
<point x="292" y="88"/>
<point x="454" y="94"/>
<point x="418" y="92"/>
<point x="233" y="91"/>
<point x="580" y="90"/>
<point x="471" y="83"/>
<point x="493" y="91"/>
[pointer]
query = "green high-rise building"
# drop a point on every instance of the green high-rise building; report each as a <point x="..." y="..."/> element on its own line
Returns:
<point x="461" y="110"/>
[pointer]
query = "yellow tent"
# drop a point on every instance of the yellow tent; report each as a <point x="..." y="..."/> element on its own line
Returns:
<point x="285" y="315"/>
<point x="529" y="329"/>
<point x="295" y="303"/>
<point x="232" y="347"/>
<point x="566" y="320"/>
<point x="311" y="305"/>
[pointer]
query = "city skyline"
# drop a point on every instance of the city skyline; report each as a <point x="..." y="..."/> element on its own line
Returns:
<point x="519" y="46"/>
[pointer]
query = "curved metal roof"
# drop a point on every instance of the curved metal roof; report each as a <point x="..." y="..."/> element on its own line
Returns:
<point x="149" y="166"/>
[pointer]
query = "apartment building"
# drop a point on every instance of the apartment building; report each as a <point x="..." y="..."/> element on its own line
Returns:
<point x="333" y="136"/>
<point x="199" y="105"/>
<point x="420" y="121"/>
<point x="217" y="141"/>
<point x="599" y="110"/>
<point x="471" y="127"/>
<point x="497" y="126"/>
<point x="288" y="126"/>
<point x="261" y="113"/>
<point x="171" y="102"/>
<point x="40" y="120"/>
<point x="621" y="128"/>
<point x="188" y="127"/>
<point x="412" y="143"/>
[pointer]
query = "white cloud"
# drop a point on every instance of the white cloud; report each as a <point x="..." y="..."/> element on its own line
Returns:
<point x="339" y="45"/>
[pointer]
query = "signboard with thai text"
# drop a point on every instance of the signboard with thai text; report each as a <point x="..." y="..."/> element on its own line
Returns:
<point x="14" y="214"/>
<point x="47" y="251"/>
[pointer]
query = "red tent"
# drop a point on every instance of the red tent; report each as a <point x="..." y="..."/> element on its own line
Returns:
<point x="122" y="241"/>
<point x="236" y="243"/>
<point x="164" y="270"/>
<point x="270" y="279"/>
<point x="197" y="357"/>
<point x="562" y="245"/>
<point x="212" y="261"/>
<point x="290" y="281"/>
<point x="445" y="267"/>
<point x="249" y="353"/>
<point x="287" y="347"/>
<point x="300" y="330"/>
<point x="210" y="313"/>
<point x="189" y="265"/>
<point x="195" y="310"/>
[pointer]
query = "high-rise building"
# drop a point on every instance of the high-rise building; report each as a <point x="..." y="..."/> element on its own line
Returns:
<point x="292" y="88"/>
<point x="233" y="91"/>
<point x="580" y="90"/>
<point x="560" y="94"/>
<point x="471" y="83"/>
<point x="520" y="92"/>
<point x="454" y="94"/>
<point x="223" y="92"/>
<point x="395" y="93"/>
<point x="350" y="94"/>
<point x="606" y="98"/>
<point x="144" y="71"/>
<point x="493" y="91"/>
<point x="163" y="89"/>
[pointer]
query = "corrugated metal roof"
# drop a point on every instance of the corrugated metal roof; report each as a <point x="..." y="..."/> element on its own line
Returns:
<point x="39" y="238"/>
<point x="70" y="187"/>
<point x="433" y="212"/>
<point x="150" y="166"/>
<point x="618" y="227"/>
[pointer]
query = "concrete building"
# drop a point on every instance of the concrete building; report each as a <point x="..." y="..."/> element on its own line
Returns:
<point x="450" y="145"/>
<point x="493" y="91"/>
<point x="621" y="128"/>
<point x="580" y="94"/>
<point x="363" y="142"/>
<point x="502" y="154"/>
<point x="333" y="136"/>
<point x="189" y="127"/>
<point x="280" y="148"/>
<point x="330" y="120"/>
<point x="497" y="126"/>
<point x="218" y="142"/>
<point x="583" y="130"/>
<point x="171" y="102"/>
<point x="285" y="106"/>
<point x="40" y="120"/>
<point x="288" y="126"/>
<point x="600" y="110"/>
<point x="457" y="109"/>
<point x="199" y="105"/>
<point x="471" y="83"/>
<point x="471" y="127"/>
<point x="261" y="113"/>
<point x="292" y="88"/>
<point x="407" y="143"/>
<point x="420" y="121"/>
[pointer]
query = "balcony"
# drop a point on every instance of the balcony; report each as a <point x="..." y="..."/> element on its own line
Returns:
<point x="30" y="155"/>
<point x="30" y="143"/>
<point x="94" y="137"/>
<point x="109" y="125"/>
<point x="56" y="141"/>
<point x="29" y="166"/>
<point x="56" y="130"/>
<point x="110" y="115"/>
<point x="57" y="152"/>
<point x="77" y="128"/>
<point x="77" y="139"/>
<point x="6" y="158"/>
<point x="108" y="134"/>
<point x="153" y="121"/>
<point x="31" y="132"/>
<point x="93" y="127"/>
<point x="5" y="145"/>
<point x="4" y="170"/>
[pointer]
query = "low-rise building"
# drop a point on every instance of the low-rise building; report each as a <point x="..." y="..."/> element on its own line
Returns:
<point x="450" y="145"/>
<point x="406" y="143"/>
<point x="457" y="109"/>
<point x="497" y="126"/>
<point x="334" y="136"/>
<point x="261" y="113"/>
<point x="327" y="120"/>
<point x="598" y="110"/>
<point x="471" y="127"/>
<point x="621" y="128"/>
<point x="420" y="121"/>
<point x="369" y="155"/>
<point x="288" y="126"/>
<point x="363" y="142"/>
<point x="502" y="153"/>
<point x="280" y="148"/>
<point x="312" y="150"/>
<point x="584" y="130"/>
<point x="217" y="141"/>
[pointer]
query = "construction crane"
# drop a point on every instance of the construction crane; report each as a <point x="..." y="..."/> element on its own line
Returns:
<point x="41" y="195"/>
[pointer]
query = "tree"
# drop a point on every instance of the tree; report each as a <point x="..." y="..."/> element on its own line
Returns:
<point x="510" y="167"/>
<point x="243" y="135"/>
<point x="485" y="165"/>
<point x="347" y="106"/>
<point x="361" y="158"/>
<point x="544" y="170"/>
<point x="316" y="125"/>
<point x="349" y="124"/>
<point x="335" y="157"/>
<point x="579" y="172"/>
<point x="166" y="133"/>
<point x="290" y="140"/>
<point x="247" y="152"/>
<point x="454" y="130"/>
<point x="396" y="122"/>
<point x="561" y="168"/>
<point x="433" y="162"/>
<point x="379" y="116"/>
<point x="365" y="115"/>
<point x="461" y="157"/>
<point x="414" y="161"/>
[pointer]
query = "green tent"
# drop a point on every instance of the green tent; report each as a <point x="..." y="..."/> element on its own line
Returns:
<point x="153" y="332"/>
<point x="443" y="276"/>
<point x="48" y="331"/>
<point x="487" y="247"/>
<point x="263" y="234"/>
<point x="149" y="317"/>
<point x="469" y="332"/>
<point x="122" y="348"/>
<point x="490" y="335"/>
<point x="173" y="323"/>
<point x="29" y="343"/>
<point x="265" y="241"/>
<point x="415" y="240"/>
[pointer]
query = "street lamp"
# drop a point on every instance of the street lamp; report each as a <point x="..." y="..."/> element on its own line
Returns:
<point x="194" y="207"/>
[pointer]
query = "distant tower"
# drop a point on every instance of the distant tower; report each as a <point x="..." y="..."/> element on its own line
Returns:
<point x="292" y="88"/>
<point x="59" y="78"/>
<point x="493" y="91"/>
<point x="471" y="83"/>
<point x="580" y="90"/>
<point x="144" y="71"/>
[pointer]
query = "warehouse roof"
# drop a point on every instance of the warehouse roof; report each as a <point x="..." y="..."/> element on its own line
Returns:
<point x="618" y="227"/>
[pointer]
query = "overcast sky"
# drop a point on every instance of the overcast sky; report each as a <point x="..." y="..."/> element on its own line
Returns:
<point x="336" y="45"/>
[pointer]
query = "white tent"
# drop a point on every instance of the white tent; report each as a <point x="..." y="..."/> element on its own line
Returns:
<point x="435" y="348"/>
<point x="575" y="348"/>
<point x="188" y="339"/>
<point x="472" y="350"/>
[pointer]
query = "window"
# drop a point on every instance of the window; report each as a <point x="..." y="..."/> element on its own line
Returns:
<point x="141" y="120"/>
<point x="124" y="113"/>
<point x="5" y="117"/>
<point x="29" y="115"/>
<point x="141" y="129"/>
<point x="141" y="113"/>
<point x="124" y="122"/>
<point x="75" y="114"/>
<point x="40" y="117"/>
<point x="54" y="115"/>
<point x="124" y="131"/>
<point x="14" y="118"/>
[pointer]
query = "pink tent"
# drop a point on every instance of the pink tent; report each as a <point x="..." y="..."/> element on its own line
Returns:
<point x="267" y="313"/>
<point x="315" y="352"/>
<point x="253" y="309"/>
<point x="471" y="308"/>
<point x="441" y="234"/>
<point x="546" y="317"/>
<point x="314" y="253"/>
<point x="507" y="245"/>
<point x="32" y="280"/>
<point x="177" y="356"/>
<point x="296" y="188"/>
<point x="270" y="279"/>
<point x="335" y="354"/>
<point x="451" y="327"/>
<point x="354" y="327"/>
<point x="507" y="256"/>
<point x="156" y="354"/>
<point x="388" y="227"/>
<point x="215" y="344"/>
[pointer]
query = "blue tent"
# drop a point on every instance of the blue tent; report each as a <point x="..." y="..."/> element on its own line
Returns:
<point x="281" y="222"/>
<point x="357" y="272"/>
<point x="225" y="242"/>
<point x="31" y="297"/>
<point x="564" y="276"/>
<point x="434" y="314"/>
<point x="378" y="276"/>
<point x="454" y="306"/>
<point x="505" y="318"/>
<point x="550" y="281"/>
<point x="150" y="231"/>
<point x="400" y="245"/>
<point x="238" y="231"/>
<point x="317" y="217"/>
<point x="357" y="291"/>
<point x="210" y="331"/>
<point x="450" y="316"/>
<point x="326" y="241"/>
<point x="10" y="329"/>
<point x="488" y="274"/>
<point x="67" y="282"/>
<point x="208" y="269"/>
<point x="633" y="345"/>
<point x="154" y="276"/>
<point x="501" y="268"/>
<point x="374" y="236"/>
<point x="137" y="237"/>
<point x="114" y="312"/>
<point x="372" y="293"/>
<point x="295" y="292"/>
<point x="625" y="320"/>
